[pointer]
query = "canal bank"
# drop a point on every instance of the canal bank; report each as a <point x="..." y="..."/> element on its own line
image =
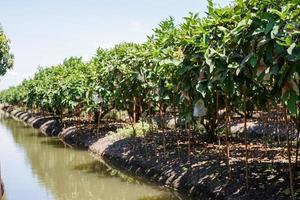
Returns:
<point x="38" y="167"/>
<point x="203" y="176"/>
<point x="110" y="151"/>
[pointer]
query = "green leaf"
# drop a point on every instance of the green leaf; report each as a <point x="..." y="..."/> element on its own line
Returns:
<point x="269" y="27"/>
<point x="228" y="86"/>
<point x="188" y="117"/>
<point x="246" y="59"/>
<point x="222" y="28"/>
<point x="291" y="48"/>
<point x="183" y="69"/>
<point x="277" y="12"/>
<point x="275" y="31"/>
<point x="210" y="6"/>
<point x="274" y="70"/>
<point x="258" y="31"/>
<point x="211" y="68"/>
<point x="253" y="61"/>
<point x="240" y="2"/>
<point x="289" y="40"/>
<point x="292" y="102"/>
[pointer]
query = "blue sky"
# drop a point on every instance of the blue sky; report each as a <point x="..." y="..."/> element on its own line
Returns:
<point x="44" y="32"/>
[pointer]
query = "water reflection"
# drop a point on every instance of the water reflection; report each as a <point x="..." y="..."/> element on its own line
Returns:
<point x="41" y="168"/>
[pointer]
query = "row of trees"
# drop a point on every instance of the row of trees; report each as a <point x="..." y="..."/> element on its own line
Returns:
<point x="250" y="49"/>
<point x="6" y="58"/>
<point x="239" y="58"/>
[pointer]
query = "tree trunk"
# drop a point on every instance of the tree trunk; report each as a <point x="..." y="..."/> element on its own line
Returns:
<point x="163" y="128"/>
<point x="297" y="145"/>
<point x="175" y="128"/>
<point x="297" y="150"/>
<point x="144" y="143"/>
<point x="277" y="124"/>
<point x="289" y="154"/>
<point x="151" y="126"/>
<point x="98" y="122"/>
<point x="217" y="119"/>
<point x="226" y="138"/>
<point x="141" y="112"/>
<point x="246" y="139"/>
<point x="134" y="110"/>
<point x="188" y="131"/>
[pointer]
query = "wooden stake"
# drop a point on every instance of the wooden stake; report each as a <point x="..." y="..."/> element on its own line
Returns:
<point x="189" y="141"/>
<point x="143" y="127"/>
<point x="297" y="145"/>
<point x="134" y="110"/>
<point x="163" y="128"/>
<point x="226" y="138"/>
<point x="246" y="138"/>
<point x="277" y="125"/>
<point x="289" y="153"/>
<point x="98" y="122"/>
<point x="175" y="129"/>
<point x="217" y="119"/>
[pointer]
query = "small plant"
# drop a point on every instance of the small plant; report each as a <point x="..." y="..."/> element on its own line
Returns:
<point x="140" y="129"/>
<point x="116" y="115"/>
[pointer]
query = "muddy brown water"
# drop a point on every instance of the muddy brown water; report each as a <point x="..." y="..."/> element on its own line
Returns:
<point x="40" y="168"/>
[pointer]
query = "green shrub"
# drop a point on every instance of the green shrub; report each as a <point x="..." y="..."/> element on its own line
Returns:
<point x="140" y="129"/>
<point x="116" y="115"/>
